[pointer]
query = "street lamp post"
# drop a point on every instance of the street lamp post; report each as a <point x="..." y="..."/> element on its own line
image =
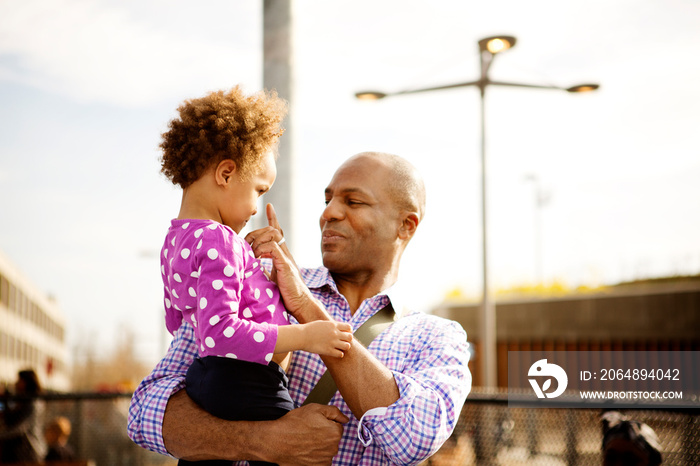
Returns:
<point x="488" y="48"/>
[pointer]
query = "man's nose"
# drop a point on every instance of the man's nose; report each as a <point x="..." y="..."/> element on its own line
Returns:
<point x="333" y="211"/>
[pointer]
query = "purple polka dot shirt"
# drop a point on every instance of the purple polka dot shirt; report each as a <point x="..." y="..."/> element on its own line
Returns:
<point x="213" y="281"/>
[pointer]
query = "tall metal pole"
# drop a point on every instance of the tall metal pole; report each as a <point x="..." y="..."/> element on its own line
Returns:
<point x="487" y="357"/>
<point x="539" y="203"/>
<point x="278" y="75"/>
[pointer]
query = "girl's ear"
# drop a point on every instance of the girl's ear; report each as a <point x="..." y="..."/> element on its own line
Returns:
<point x="224" y="172"/>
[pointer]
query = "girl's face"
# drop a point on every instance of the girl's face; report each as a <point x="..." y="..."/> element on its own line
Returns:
<point x="241" y="201"/>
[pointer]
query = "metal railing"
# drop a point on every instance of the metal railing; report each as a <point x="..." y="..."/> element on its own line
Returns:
<point x="489" y="432"/>
<point x="98" y="428"/>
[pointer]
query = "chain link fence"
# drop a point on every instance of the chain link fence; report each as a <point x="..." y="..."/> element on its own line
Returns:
<point x="488" y="433"/>
<point x="98" y="429"/>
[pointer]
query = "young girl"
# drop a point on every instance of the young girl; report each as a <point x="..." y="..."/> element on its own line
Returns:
<point x="221" y="151"/>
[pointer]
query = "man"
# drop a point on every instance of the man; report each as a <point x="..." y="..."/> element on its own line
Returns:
<point x="399" y="398"/>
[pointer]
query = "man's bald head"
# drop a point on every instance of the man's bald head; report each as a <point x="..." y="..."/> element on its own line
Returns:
<point x="403" y="182"/>
<point x="374" y="204"/>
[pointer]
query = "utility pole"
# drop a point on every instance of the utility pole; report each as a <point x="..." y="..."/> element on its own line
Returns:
<point x="278" y="75"/>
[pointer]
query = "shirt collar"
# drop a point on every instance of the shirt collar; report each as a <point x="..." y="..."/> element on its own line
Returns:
<point x="319" y="277"/>
<point x="398" y="299"/>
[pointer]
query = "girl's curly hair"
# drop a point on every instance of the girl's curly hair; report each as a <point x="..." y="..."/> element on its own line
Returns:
<point x="221" y="125"/>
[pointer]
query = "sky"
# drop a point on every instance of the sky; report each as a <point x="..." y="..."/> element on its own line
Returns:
<point x="87" y="87"/>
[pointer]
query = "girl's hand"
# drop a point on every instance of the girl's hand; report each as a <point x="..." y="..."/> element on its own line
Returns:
<point x="327" y="338"/>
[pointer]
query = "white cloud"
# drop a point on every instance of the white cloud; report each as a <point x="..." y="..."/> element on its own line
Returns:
<point x="107" y="52"/>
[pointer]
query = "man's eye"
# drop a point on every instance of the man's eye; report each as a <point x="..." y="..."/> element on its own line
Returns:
<point x="327" y="201"/>
<point x="354" y="202"/>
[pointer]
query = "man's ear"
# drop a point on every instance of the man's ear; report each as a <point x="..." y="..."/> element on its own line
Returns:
<point x="224" y="172"/>
<point x="409" y="225"/>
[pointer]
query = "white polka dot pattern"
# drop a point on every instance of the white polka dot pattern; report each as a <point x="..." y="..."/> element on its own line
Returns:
<point x="211" y="273"/>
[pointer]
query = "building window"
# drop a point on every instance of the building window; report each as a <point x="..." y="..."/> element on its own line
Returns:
<point x="12" y="298"/>
<point x="23" y="306"/>
<point x="4" y="291"/>
<point x="12" y="347"/>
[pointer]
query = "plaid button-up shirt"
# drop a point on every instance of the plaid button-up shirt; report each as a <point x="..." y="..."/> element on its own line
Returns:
<point x="427" y="355"/>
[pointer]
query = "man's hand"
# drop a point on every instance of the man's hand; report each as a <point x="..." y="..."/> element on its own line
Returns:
<point x="265" y="243"/>
<point x="308" y="435"/>
<point x="271" y="233"/>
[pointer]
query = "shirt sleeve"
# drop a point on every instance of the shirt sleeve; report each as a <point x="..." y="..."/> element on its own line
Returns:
<point x="433" y="388"/>
<point x="145" y="424"/>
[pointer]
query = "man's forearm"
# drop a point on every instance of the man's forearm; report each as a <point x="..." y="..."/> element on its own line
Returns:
<point x="304" y="436"/>
<point x="364" y="382"/>
<point x="191" y="433"/>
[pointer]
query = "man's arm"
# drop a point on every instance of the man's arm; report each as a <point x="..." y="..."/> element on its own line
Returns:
<point x="363" y="381"/>
<point x="162" y="418"/>
<point x="423" y="399"/>
<point x="433" y="380"/>
<point x="308" y="435"/>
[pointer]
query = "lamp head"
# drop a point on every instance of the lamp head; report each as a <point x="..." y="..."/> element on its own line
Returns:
<point x="496" y="44"/>
<point x="583" y="88"/>
<point x="370" y="95"/>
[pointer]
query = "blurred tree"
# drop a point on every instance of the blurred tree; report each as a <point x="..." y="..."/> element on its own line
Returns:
<point x="120" y="371"/>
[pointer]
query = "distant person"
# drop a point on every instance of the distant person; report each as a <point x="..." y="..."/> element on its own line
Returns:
<point x="23" y="420"/>
<point x="56" y="434"/>
<point x="628" y="443"/>
<point x="221" y="151"/>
